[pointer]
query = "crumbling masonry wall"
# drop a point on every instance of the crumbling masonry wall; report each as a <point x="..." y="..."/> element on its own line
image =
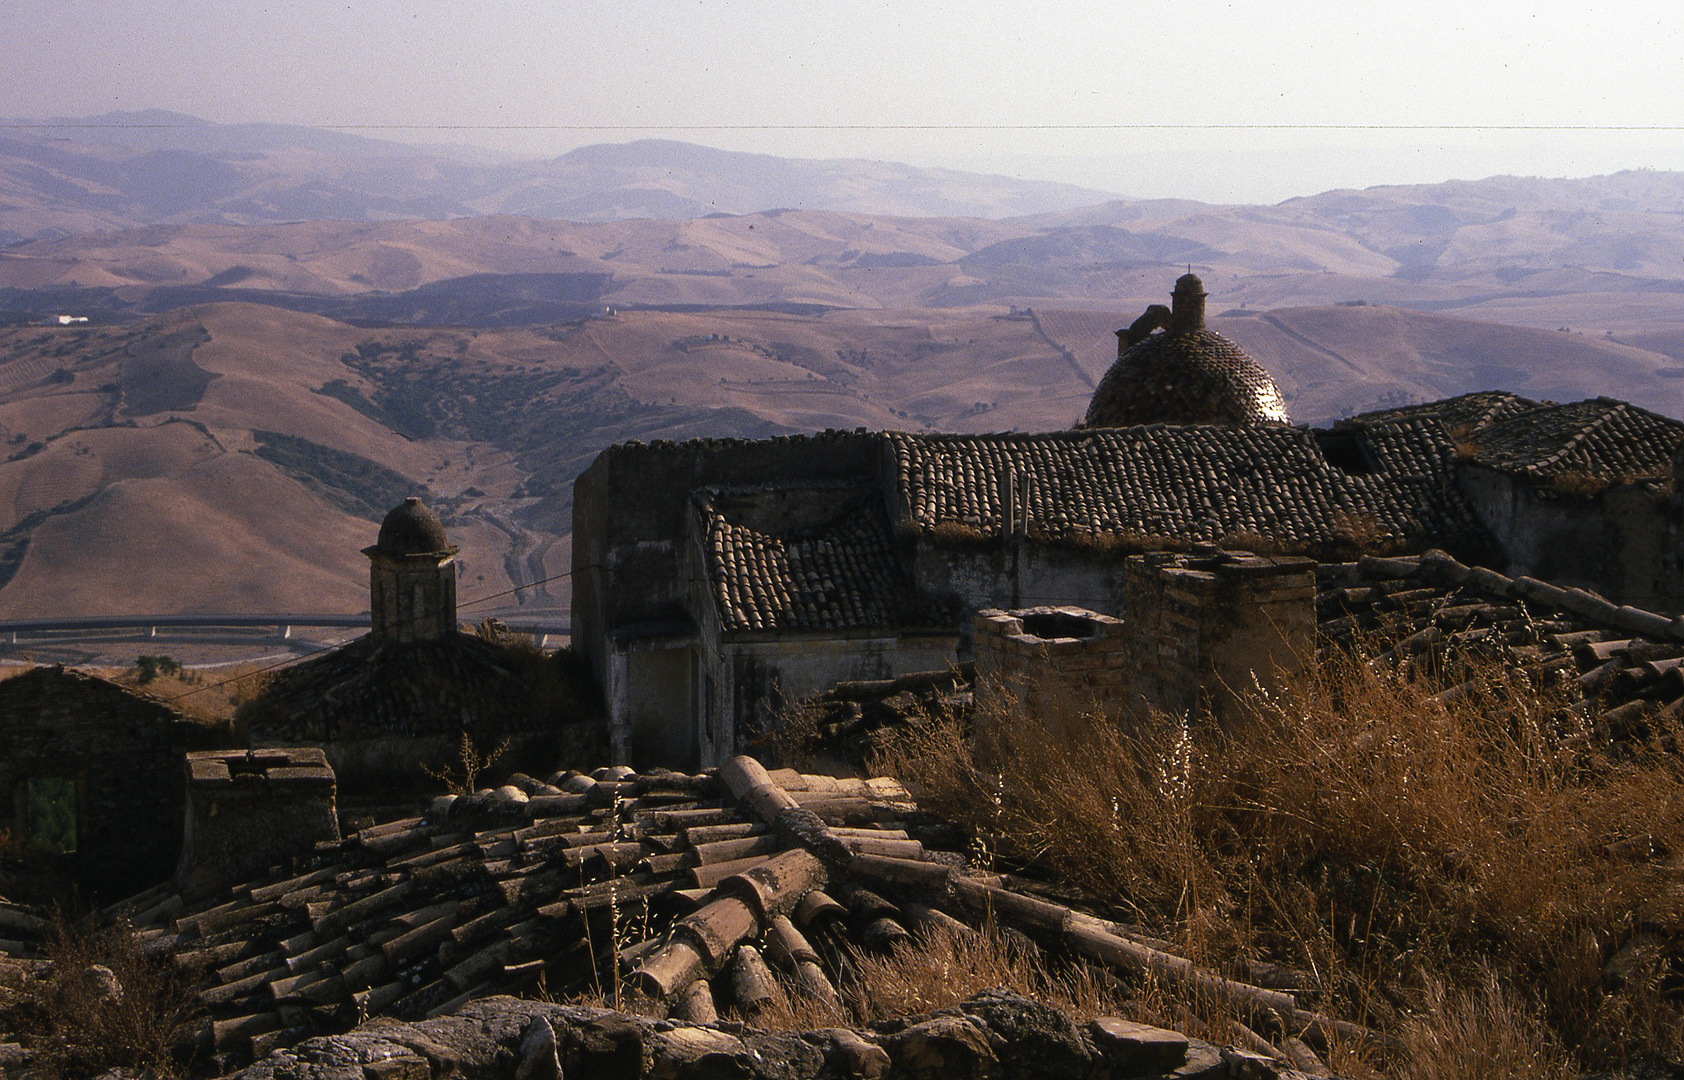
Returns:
<point x="1205" y="630"/>
<point x="1198" y="633"/>
<point x="249" y="810"/>
<point x="1043" y="660"/>
<point x="115" y="756"/>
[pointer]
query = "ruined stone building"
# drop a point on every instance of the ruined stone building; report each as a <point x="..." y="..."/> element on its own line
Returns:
<point x="90" y="773"/>
<point x="713" y="576"/>
<point x="398" y="701"/>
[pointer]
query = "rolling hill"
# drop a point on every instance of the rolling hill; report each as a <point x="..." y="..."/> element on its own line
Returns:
<point x="236" y="457"/>
<point x="290" y="330"/>
<point x="1604" y="254"/>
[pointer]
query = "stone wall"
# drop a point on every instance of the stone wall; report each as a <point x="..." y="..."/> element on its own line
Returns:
<point x="1618" y="542"/>
<point x="1205" y="629"/>
<point x="249" y="810"/>
<point x="104" y="763"/>
<point x="1046" y="660"/>
<point x="1198" y="631"/>
<point x="631" y="510"/>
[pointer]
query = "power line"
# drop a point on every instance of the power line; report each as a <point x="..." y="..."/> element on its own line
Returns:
<point x="1657" y="128"/>
<point x="516" y="589"/>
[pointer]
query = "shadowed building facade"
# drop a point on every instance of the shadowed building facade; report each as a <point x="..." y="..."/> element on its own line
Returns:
<point x="397" y="702"/>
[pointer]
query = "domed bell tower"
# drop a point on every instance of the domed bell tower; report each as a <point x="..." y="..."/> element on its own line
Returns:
<point x="412" y="576"/>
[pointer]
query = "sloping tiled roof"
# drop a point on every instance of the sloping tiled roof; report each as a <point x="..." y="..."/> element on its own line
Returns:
<point x="841" y="576"/>
<point x="1197" y="483"/>
<point x="1185" y="377"/>
<point x="373" y="686"/>
<point x="1460" y="415"/>
<point x="1601" y="438"/>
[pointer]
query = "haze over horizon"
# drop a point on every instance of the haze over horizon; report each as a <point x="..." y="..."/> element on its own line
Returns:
<point x="1205" y="100"/>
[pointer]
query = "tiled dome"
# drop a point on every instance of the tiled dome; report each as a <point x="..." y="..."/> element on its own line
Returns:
<point x="1183" y="374"/>
<point x="412" y="529"/>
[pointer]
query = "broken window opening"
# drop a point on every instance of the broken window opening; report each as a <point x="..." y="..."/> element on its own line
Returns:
<point x="50" y="813"/>
<point x="1345" y="451"/>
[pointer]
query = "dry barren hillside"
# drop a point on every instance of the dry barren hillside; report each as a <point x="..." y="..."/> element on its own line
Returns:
<point x="1501" y="250"/>
<point x="1335" y="361"/>
<point x="236" y="457"/>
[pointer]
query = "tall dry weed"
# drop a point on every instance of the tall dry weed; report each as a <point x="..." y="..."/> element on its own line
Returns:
<point x="1361" y="827"/>
<point x="104" y="1006"/>
<point x="1482" y="1031"/>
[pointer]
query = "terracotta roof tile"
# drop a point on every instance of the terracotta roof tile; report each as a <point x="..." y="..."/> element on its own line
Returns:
<point x="842" y="575"/>
<point x="1199" y="483"/>
<point x="1601" y="438"/>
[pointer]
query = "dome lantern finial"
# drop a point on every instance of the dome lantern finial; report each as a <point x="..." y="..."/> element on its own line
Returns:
<point x="1189" y="304"/>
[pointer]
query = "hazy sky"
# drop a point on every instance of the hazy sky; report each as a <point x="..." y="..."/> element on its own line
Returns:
<point x="1223" y="101"/>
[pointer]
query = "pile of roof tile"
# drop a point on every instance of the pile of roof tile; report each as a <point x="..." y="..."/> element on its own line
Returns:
<point x="1624" y="664"/>
<point x="691" y="889"/>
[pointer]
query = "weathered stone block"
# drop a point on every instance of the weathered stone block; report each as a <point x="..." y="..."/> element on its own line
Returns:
<point x="1133" y="1047"/>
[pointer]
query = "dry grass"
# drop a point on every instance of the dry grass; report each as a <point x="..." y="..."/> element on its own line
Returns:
<point x="1395" y="847"/>
<point x="1481" y="1031"/>
<point x="79" y="1028"/>
<point x="209" y="695"/>
<point x="942" y="967"/>
<point x="1580" y="484"/>
<point x="960" y="534"/>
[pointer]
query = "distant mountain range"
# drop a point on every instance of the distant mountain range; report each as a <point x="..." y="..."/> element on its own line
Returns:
<point x="122" y="170"/>
<point x="1605" y="254"/>
<point x="160" y="209"/>
<point x="290" y="329"/>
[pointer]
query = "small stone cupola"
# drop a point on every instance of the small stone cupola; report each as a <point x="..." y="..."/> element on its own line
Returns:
<point x="412" y="576"/>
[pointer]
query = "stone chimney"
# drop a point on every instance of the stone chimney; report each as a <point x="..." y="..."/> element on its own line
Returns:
<point x="1188" y="313"/>
<point x="249" y="810"/>
<point x="412" y="576"/>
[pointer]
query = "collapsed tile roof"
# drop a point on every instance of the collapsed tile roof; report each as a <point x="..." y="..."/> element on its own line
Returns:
<point x="843" y="575"/>
<point x="1195" y="483"/>
<point x="688" y="885"/>
<point x="1624" y="665"/>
